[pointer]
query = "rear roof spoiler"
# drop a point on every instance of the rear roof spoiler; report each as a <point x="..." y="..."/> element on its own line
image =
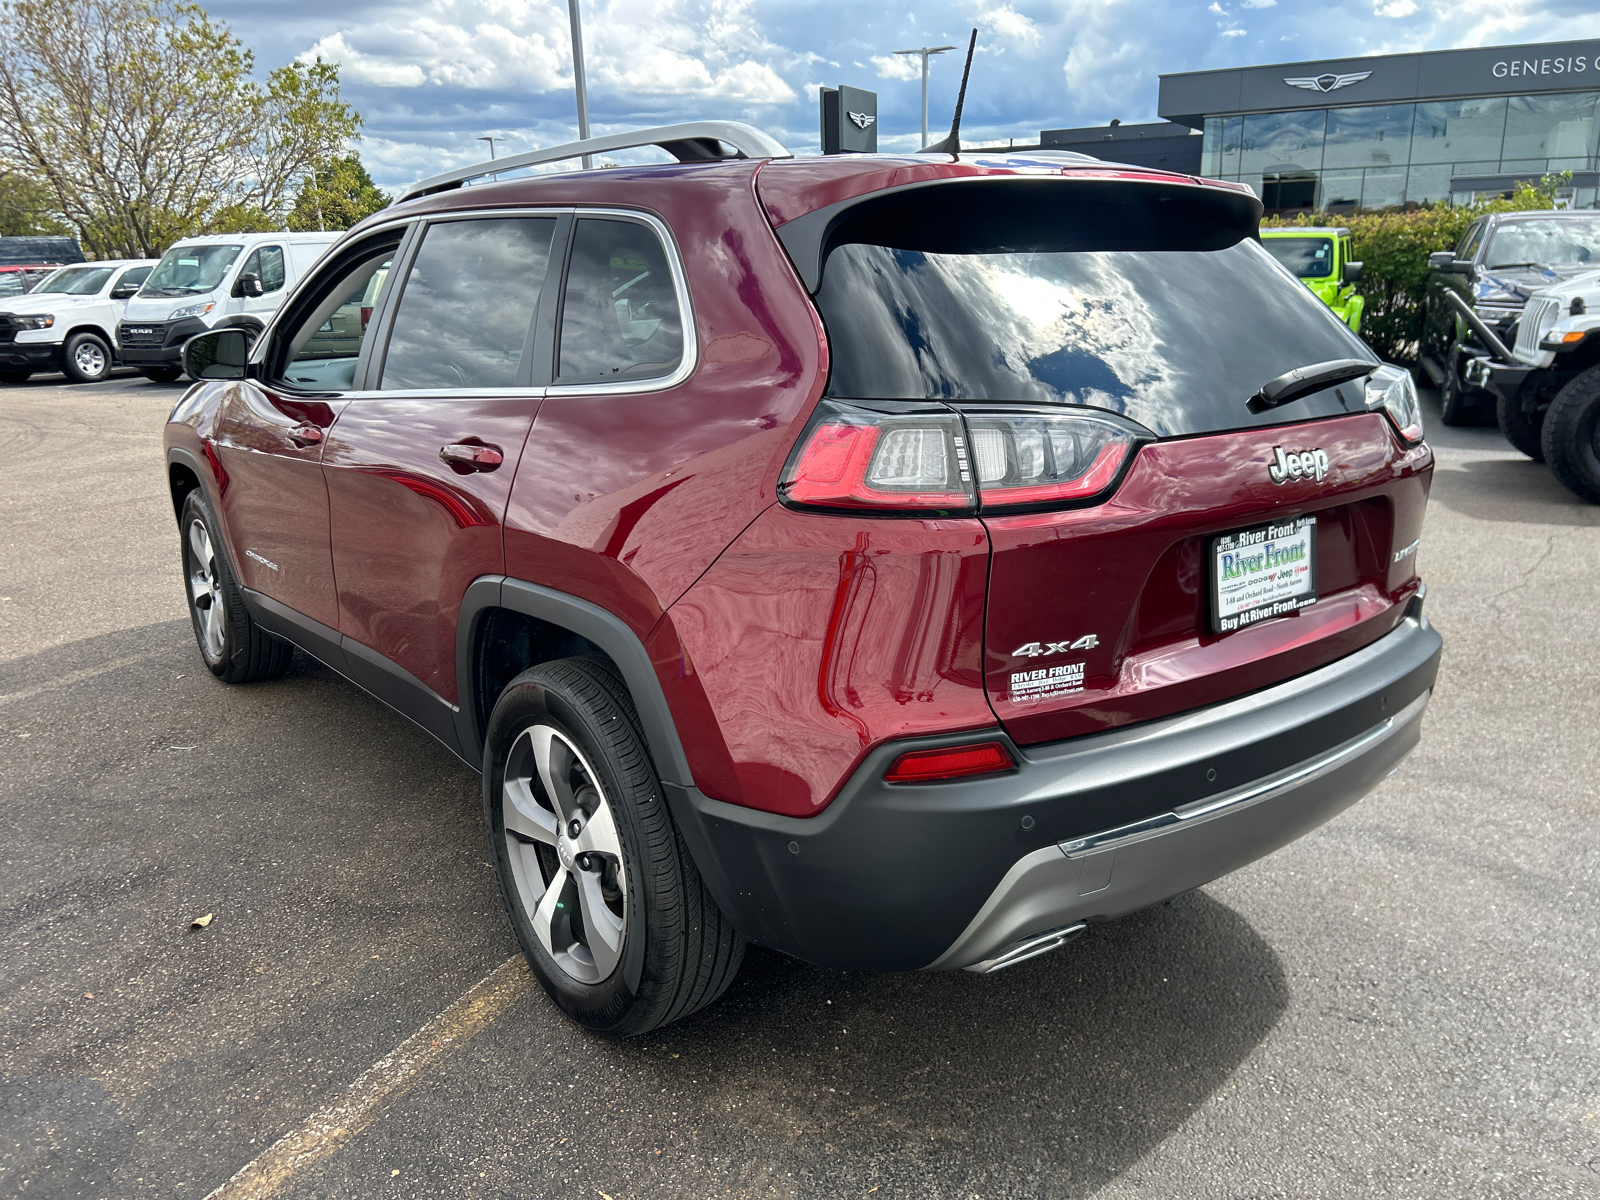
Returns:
<point x="692" y="141"/>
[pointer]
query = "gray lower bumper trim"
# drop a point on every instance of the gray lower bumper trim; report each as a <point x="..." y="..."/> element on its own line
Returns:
<point x="1122" y="870"/>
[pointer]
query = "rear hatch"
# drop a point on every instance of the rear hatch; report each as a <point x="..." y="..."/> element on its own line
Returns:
<point x="1158" y="542"/>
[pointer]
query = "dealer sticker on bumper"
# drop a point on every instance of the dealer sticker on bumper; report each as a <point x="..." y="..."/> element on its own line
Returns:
<point x="1269" y="571"/>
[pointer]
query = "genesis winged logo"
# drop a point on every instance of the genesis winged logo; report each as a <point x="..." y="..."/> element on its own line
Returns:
<point x="862" y="120"/>
<point x="1326" y="83"/>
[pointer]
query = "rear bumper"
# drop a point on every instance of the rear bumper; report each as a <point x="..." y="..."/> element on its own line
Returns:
<point x="955" y="875"/>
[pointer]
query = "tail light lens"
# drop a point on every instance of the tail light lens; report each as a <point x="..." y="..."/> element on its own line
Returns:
<point x="1391" y="388"/>
<point x="917" y="460"/>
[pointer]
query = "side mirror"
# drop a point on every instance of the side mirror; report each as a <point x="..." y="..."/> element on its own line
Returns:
<point x="1441" y="260"/>
<point x="1352" y="272"/>
<point x="248" y="284"/>
<point x="219" y="354"/>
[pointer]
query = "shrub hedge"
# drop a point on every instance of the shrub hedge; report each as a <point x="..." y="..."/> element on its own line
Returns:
<point x="1394" y="246"/>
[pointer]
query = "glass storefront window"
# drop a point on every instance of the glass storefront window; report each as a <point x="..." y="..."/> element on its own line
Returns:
<point x="1341" y="191"/>
<point x="1229" y="130"/>
<point x="1429" y="183"/>
<point x="1211" y="148"/>
<point x="1283" y="141"/>
<point x="1384" y="187"/>
<point x="1379" y="136"/>
<point x="1458" y="129"/>
<point x="1550" y="127"/>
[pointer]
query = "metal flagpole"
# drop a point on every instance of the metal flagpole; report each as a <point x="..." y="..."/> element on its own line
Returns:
<point x="924" y="51"/>
<point x="577" y="80"/>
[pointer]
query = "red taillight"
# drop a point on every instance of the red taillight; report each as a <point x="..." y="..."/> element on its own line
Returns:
<point x="916" y="459"/>
<point x="930" y="766"/>
<point x="862" y="460"/>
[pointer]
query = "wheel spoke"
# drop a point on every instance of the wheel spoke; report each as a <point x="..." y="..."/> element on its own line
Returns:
<point x="601" y="926"/>
<point x="200" y="545"/>
<point x="600" y="833"/>
<point x="524" y="815"/>
<point x="554" y="759"/>
<point x="549" y="911"/>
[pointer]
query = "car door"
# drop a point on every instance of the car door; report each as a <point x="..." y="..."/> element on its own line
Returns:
<point x="124" y="289"/>
<point x="1439" y="319"/>
<point x="420" y="462"/>
<point x="269" y="440"/>
<point x="266" y="263"/>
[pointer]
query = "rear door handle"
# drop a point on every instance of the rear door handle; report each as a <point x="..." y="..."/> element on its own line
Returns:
<point x="466" y="457"/>
<point x="305" y="435"/>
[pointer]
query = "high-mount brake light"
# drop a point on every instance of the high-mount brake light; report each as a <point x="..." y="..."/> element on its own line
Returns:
<point x="956" y="461"/>
<point x="1392" y="389"/>
<point x="952" y="762"/>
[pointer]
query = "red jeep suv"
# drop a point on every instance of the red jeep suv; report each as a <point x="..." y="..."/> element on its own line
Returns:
<point x="899" y="562"/>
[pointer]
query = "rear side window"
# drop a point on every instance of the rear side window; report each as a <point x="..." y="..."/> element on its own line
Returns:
<point x="466" y="312"/>
<point x="620" y="320"/>
<point x="1178" y="340"/>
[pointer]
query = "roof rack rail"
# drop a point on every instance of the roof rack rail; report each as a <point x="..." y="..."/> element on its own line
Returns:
<point x="692" y="141"/>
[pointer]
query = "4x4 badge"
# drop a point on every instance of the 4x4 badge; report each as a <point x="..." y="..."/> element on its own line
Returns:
<point x="1039" y="649"/>
<point x="1299" y="464"/>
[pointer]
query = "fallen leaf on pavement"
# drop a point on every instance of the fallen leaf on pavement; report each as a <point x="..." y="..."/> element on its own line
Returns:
<point x="201" y="922"/>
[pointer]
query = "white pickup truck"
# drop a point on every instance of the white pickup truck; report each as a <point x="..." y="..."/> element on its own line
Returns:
<point x="68" y="323"/>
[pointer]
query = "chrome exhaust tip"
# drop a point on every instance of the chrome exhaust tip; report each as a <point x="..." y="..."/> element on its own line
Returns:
<point x="1029" y="947"/>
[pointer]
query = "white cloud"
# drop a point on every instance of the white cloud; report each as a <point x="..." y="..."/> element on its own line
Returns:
<point x="1233" y="33"/>
<point x="1258" y="3"/>
<point x="1006" y="22"/>
<point x="898" y="66"/>
<point x="1217" y="8"/>
<point x="1395" y="8"/>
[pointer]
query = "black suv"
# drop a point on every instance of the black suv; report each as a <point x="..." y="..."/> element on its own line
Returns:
<point x="1502" y="259"/>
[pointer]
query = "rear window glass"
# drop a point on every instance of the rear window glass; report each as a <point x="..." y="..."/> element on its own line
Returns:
<point x="1308" y="258"/>
<point x="1178" y="340"/>
<point x="619" y="314"/>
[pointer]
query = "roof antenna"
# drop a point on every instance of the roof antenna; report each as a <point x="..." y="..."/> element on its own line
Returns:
<point x="952" y="144"/>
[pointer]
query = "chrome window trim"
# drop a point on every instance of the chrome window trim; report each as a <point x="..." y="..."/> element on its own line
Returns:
<point x="680" y="284"/>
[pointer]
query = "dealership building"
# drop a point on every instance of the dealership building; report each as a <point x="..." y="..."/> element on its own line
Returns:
<point x="1395" y="129"/>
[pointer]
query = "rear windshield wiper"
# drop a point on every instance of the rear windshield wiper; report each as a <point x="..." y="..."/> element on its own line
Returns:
<point x="1302" y="381"/>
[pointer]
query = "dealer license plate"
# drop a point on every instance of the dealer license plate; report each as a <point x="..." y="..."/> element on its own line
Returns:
<point x="1261" y="573"/>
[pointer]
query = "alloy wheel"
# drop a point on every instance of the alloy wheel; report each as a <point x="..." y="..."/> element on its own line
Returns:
<point x="566" y="859"/>
<point x="90" y="359"/>
<point x="205" y="589"/>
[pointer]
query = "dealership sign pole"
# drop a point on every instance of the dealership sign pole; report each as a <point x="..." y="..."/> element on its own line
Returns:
<point x="577" y="80"/>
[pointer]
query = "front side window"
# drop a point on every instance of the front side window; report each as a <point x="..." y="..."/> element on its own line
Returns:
<point x="619" y="313"/>
<point x="1307" y="258"/>
<point x="133" y="277"/>
<point x="465" y="317"/>
<point x="75" y="281"/>
<point x="325" y="349"/>
<point x="1469" y="243"/>
<point x="1548" y="242"/>
<point x="186" y="270"/>
<point x="267" y="263"/>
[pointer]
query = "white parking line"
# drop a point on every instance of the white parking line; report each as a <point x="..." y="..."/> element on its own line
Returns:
<point x="326" y="1130"/>
<point x="72" y="677"/>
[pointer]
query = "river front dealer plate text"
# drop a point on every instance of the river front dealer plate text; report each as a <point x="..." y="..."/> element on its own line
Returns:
<point x="1261" y="573"/>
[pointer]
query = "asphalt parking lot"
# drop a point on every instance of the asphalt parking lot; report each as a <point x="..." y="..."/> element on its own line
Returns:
<point x="1402" y="1004"/>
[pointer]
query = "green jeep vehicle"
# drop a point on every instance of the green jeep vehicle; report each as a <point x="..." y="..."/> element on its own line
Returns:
<point x="1320" y="258"/>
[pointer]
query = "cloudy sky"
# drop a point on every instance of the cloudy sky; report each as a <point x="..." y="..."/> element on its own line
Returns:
<point x="432" y="75"/>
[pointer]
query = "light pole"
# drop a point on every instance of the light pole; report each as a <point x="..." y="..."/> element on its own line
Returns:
<point x="577" y="79"/>
<point x="491" y="139"/>
<point x="924" y="51"/>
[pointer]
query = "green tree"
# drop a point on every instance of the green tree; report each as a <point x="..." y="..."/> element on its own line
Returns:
<point x="336" y="196"/>
<point x="141" y="120"/>
<point x="25" y="208"/>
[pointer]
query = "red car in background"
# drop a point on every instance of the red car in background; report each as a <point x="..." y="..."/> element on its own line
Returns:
<point x="901" y="562"/>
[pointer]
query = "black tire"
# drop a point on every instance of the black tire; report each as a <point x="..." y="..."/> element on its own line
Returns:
<point x="1571" y="436"/>
<point x="1453" y="401"/>
<point x="1520" y="428"/>
<point x="86" y="358"/>
<point x="17" y="376"/>
<point x="235" y="648"/>
<point x="672" y="951"/>
<point x="161" y="374"/>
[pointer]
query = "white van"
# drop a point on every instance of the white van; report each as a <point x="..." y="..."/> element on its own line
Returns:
<point x="208" y="283"/>
<point x="68" y="323"/>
